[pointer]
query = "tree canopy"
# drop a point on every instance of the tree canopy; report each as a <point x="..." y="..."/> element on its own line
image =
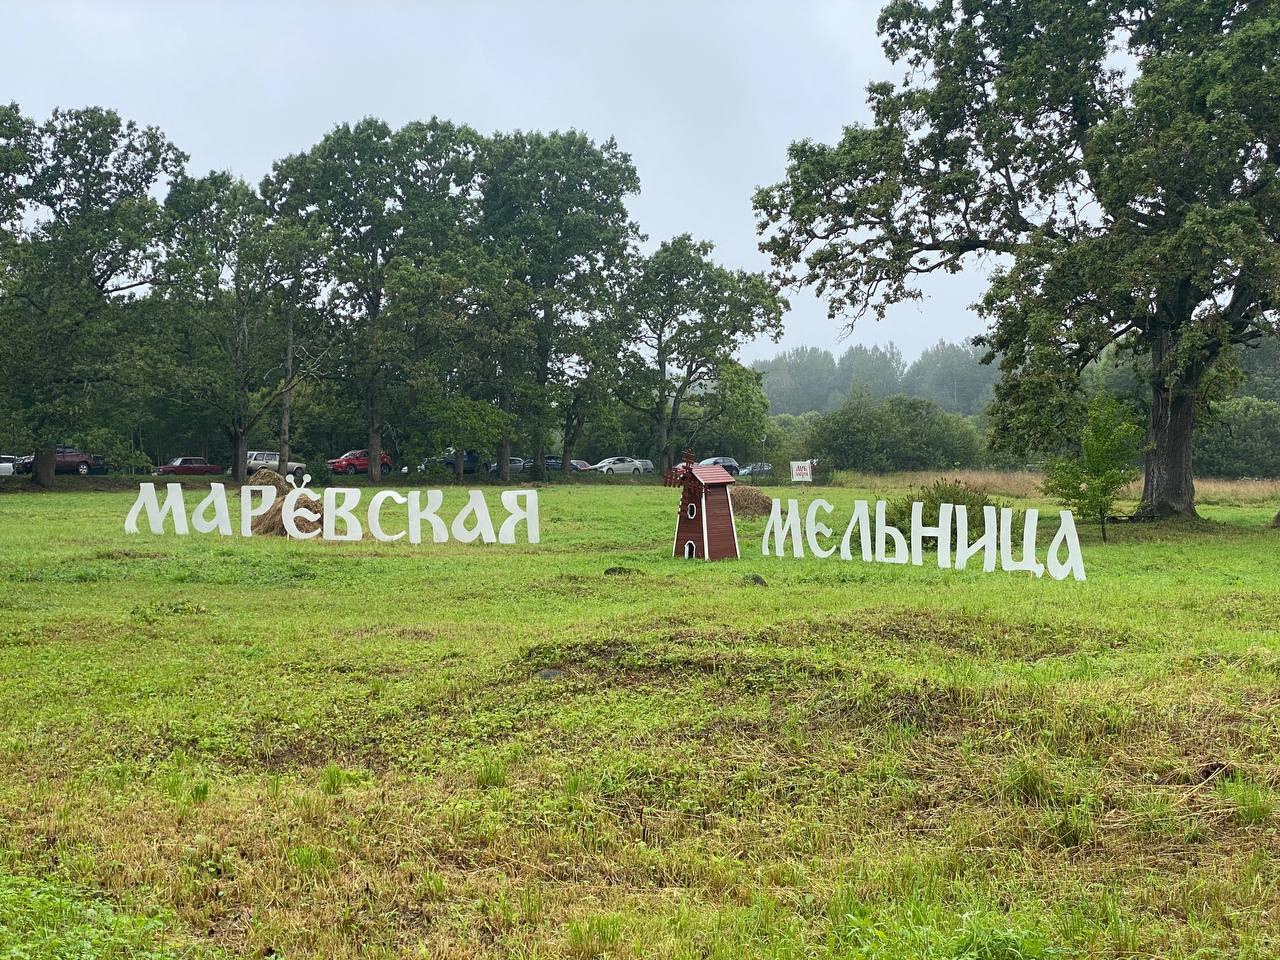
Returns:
<point x="418" y="288"/>
<point x="1118" y="159"/>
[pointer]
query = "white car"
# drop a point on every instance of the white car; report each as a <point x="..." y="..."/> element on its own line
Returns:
<point x="7" y="465"/>
<point x="270" y="460"/>
<point x="619" y="465"/>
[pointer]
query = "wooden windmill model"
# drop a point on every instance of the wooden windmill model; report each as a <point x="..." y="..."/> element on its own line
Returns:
<point x="705" y="529"/>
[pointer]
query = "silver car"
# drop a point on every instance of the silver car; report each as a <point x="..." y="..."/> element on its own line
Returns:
<point x="270" y="460"/>
<point x="619" y="465"/>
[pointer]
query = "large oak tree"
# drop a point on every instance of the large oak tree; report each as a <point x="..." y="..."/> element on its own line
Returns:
<point x="1119" y="157"/>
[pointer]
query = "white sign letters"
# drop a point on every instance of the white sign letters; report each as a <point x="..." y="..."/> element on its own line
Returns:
<point x="794" y="531"/>
<point x="337" y="510"/>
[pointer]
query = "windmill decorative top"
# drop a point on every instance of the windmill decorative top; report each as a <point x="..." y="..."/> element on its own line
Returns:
<point x="705" y="529"/>
<point x="688" y="471"/>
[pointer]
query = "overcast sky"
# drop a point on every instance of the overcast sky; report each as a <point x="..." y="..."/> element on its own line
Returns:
<point x="704" y="96"/>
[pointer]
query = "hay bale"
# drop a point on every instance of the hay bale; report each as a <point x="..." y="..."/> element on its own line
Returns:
<point x="750" y="501"/>
<point x="269" y="478"/>
<point x="271" y="523"/>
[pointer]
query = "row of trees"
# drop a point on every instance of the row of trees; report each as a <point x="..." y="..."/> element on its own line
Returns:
<point x="952" y="375"/>
<point x="439" y="286"/>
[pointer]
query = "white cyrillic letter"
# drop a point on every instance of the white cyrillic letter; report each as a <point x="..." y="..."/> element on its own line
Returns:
<point x="247" y="513"/>
<point x="1075" y="559"/>
<point x="335" y="511"/>
<point x="526" y="512"/>
<point x="1028" y="561"/>
<point x="174" y="505"/>
<point x="221" y="520"/>
<point x="418" y="513"/>
<point x="883" y="532"/>
<point x="941" y="533"/>
<point x="779" y="530"/>
<point x="290" y="512"/>
<point x="813" y="529"/>
<point x="986" y="542"/>
<point x="375" y="515"/>
<point x="484" y="524"/>
<point x="862" y="520"/>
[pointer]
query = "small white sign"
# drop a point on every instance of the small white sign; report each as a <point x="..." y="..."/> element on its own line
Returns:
<point x="802" y="471"/>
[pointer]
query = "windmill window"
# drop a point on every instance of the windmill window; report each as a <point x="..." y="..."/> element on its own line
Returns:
<point x="691" y="511"/>
<point x="690" y="550"/>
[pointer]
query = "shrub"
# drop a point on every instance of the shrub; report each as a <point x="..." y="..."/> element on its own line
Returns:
<point x="1242" y="441"/>
<point x="1089" y="483"/>
<point x="898" y="512"/>
<point x="898" y="433"/>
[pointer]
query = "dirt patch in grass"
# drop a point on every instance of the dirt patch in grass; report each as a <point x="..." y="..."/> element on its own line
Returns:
<point x="394" y="632"/>
<point x="128" y="553"/>
<point x="750" y="501"/>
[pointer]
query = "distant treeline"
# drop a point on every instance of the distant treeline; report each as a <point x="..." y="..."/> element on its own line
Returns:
<point x="810" y="378"/>
<point x="869" y="410"/>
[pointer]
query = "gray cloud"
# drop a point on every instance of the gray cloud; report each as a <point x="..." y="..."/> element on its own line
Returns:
<point x="705" y="96"/>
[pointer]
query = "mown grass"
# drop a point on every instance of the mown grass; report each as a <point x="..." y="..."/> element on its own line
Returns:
<point x="255" y="748"/>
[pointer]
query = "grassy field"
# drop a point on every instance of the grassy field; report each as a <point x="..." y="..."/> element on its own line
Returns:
<point x="587" y="749"/>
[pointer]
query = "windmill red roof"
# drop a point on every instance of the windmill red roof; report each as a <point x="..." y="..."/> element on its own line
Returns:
<point x="708" y="476"/>
<point x="712" y="475"/>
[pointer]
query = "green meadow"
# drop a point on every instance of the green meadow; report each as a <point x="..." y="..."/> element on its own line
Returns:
<point x="585" y="748"/>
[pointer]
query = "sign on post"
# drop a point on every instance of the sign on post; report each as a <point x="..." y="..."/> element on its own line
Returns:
<point x="802" y="471"/>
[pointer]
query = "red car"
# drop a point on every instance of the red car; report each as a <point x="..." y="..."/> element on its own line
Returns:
<point x="188" y="467"/>
<point x="357" y="461"/>
<point x="68" y="460"/>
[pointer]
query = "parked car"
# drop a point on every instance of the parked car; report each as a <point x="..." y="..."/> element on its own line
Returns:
<point x="619" y="465"/>
<point x="470" y="462"/>
<point x="553" y="463"/>
<point x="8" y="465"/>
<point x="357" y="461"/>
<point x="517" y="465"/>
<point x="578" y="466"/>
<point x="270" y="460"/>
<point x="188" y="467"/>
<point x="646" y="466"/>
<point x="756" y="470"/>
<point x="730" y="465"/>
<point x="66" y="460"/>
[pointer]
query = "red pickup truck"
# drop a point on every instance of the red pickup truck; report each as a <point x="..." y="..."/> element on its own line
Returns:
<point x="188" y="467"/>
<point x="357" y="461"/>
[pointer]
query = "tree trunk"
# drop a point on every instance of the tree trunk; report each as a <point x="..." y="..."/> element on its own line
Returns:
<point x="286" y="400"/>
<point x="660" y="441"/>
<point x="240" y="443"/>
<point x="42" y="468"/>
<point x="570" y="438"/>
<point x="1168" y="489"/>
<point x="459" y="468"/>
<point x="504" y="459"/>
<point x="375" y="447"/>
